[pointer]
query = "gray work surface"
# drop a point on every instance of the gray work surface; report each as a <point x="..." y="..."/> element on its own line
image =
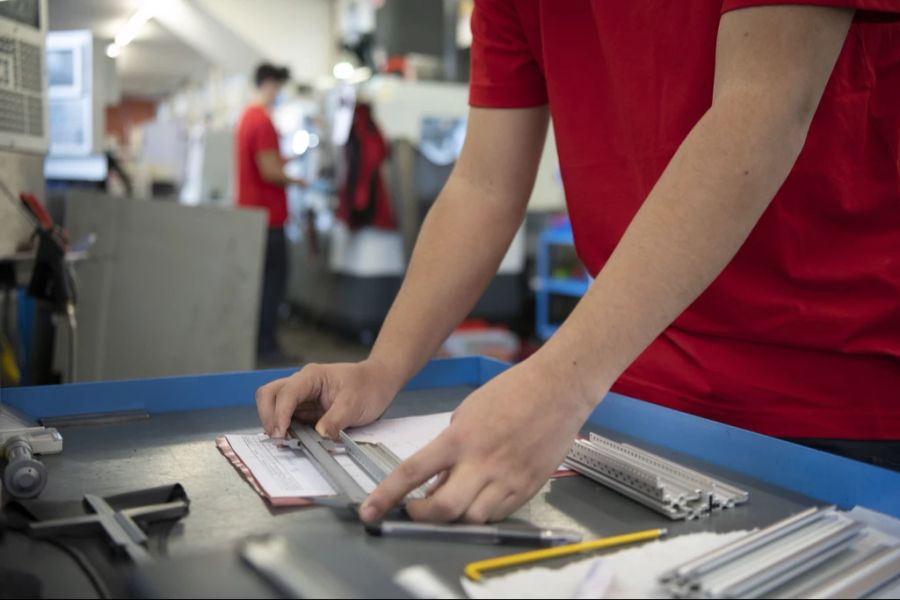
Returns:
<point x="179" y="447"/>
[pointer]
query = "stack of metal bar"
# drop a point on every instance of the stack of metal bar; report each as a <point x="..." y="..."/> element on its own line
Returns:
<point x="661" y="484"/>
<point x="818" y="553"/>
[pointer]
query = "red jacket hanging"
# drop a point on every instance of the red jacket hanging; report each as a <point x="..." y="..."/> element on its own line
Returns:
<point x="364" y="200"/>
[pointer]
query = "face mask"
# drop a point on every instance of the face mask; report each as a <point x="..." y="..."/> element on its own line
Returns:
<point x="279" y="99"/>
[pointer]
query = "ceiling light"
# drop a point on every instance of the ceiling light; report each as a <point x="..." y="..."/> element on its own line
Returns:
<point x="128" y="31"/>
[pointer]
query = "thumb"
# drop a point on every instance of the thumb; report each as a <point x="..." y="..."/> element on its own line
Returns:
<point x="333" y="421"/>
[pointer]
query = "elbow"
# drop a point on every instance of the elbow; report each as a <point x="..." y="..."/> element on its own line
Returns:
<point x="775" y="123"/>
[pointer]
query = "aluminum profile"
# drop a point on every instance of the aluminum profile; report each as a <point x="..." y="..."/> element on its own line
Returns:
<point x="661" y="484"/>
<point x="818" y="553"/>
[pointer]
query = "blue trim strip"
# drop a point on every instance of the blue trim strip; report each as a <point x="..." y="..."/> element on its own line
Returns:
<point x="490" y="368"/>
<point x="826" y="477"/>
<point x="171" y="394"/>
<point x="822" y="476"/>
<point x="445" y="372"/>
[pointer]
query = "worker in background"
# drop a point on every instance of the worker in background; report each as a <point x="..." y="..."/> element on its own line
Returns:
<point x="731" y="172"/>
<point x="261" y="183"/>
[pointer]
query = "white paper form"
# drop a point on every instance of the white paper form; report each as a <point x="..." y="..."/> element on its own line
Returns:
<point x="283" y="472"/>
<point x="404" y="436"/>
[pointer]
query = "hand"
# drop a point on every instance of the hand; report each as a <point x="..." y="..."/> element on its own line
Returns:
<point x="505" y="440"/>
<point x="332" y="397"/>
<point x="299" y="181"/>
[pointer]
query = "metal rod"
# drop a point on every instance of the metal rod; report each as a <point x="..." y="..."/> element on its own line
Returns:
<point x="373" y="469"/>
<point x="712" y="560"/>
<point x="783" y="568"/>
<point x="874" y="572"/>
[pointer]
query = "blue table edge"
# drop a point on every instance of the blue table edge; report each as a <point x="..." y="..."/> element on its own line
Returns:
<point x="825" y="477"/>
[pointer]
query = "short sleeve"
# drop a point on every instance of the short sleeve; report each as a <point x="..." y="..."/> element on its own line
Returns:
<point x="263" y="136"/>
<point x="889" y="9"/>
<point x="505" y="73"/>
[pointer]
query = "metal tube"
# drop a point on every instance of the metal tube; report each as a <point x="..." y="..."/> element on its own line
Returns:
<point x="874" y="572"/>
<point x="712" y="560"/>
<point x="786" y="567"/>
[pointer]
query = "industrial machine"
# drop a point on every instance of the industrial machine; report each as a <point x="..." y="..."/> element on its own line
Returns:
<point x="351" y="277"/>
<point x="23" y="111"/>
<point x="81" y="82"/>
<point x="23" y="475"/>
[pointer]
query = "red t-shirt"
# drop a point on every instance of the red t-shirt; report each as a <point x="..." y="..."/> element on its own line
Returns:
<point x="255" y="134"/>
<point x="800" y="335"/>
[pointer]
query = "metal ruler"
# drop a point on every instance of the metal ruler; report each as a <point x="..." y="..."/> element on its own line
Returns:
<point x="375" y="460"/>
<point x="661" y="484"/>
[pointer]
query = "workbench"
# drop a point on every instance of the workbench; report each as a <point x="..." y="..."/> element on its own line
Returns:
<point x="176" y="444"/>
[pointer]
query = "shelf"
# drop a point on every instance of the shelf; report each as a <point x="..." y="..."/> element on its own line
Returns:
<point x="565" y="287"/>
<point x="558" y="237"/>
<point x="545" y="331"/>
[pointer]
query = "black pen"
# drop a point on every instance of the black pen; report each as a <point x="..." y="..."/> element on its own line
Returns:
<point x="519" y="535"/>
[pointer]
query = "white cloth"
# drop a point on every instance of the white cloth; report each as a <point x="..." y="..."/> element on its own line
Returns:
<point x="629" y="573"/>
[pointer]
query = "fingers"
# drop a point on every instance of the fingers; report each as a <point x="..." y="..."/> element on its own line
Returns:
<point x="334" y="420"/>
<point x="437" y="483"/>
<point x="508" y="506"/>
<point x="265" y="402"/>
<point x="309" y="413"/>
<point x="413" y="472"/>
<point x="298" y="388"/>
<point x="452" y="499"/>
<point x="488" y="502"/>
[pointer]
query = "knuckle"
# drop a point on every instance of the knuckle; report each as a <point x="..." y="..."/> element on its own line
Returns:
<point x="445" y="508"/>
<point x="514" y="485"/>
<point x="453" y="441"/>
<point x="309" y="370"/>
<point x="407" y="470"/>
<point x="476" y="516"/>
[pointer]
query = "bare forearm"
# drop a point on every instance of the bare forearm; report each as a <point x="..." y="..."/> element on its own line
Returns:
<point x="459" y="249"/>
<point x="282" y="179"/>
<point x="692" y="224"/>
<point x="271" y="167"/>
<point x="772" y="65"/>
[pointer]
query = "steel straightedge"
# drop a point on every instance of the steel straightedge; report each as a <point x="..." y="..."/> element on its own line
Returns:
<point x="656" y="482"/>
<point x="376" y="460"/>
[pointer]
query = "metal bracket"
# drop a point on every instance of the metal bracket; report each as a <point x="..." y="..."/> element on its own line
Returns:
<point x="119" y="525"/>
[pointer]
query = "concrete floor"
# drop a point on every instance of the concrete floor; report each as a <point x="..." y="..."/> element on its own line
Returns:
<point x="305" y="343"/>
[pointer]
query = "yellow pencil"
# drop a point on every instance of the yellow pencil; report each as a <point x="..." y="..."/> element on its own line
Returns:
<point x="474" y="570"/>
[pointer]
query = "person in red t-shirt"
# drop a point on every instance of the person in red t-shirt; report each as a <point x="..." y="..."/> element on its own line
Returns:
<point x="260" y="182"/>
<point x="732" y="172"/>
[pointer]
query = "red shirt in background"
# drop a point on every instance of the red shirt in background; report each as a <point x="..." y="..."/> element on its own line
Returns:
<point x="255" y="134"/>
<point x="800" y="335"/>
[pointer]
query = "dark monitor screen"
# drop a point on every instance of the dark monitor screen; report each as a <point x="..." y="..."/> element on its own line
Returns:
<point x="26" y="12"/>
